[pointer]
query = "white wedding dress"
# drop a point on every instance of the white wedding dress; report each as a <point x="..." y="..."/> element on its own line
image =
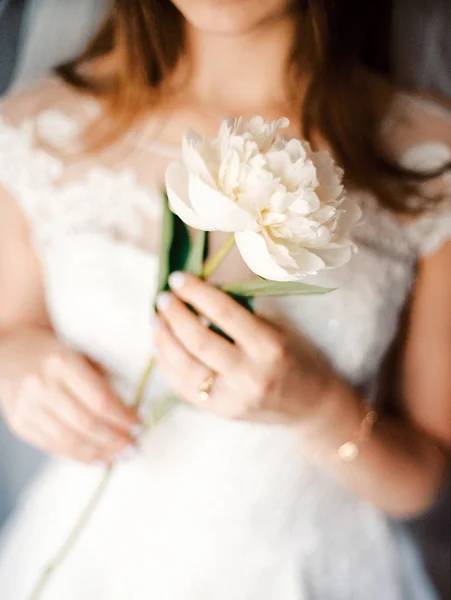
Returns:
<point x="210" y="509"/>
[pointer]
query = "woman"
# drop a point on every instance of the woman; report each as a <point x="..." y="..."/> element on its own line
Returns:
<point x="246" y="496"/>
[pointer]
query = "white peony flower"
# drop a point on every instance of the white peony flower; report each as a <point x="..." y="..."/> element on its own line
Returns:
<point x="283" y="201"/>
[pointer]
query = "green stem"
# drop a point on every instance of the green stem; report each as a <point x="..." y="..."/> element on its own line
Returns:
<point x="72" y="538"/>
<point x="213" y="263"/>
<point x="92" y="505"/>
<point x="209" y="268"/>
<point x="144" y="380"/>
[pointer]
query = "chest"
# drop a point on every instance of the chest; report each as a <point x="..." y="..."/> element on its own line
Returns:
<point x="100" y="292"/>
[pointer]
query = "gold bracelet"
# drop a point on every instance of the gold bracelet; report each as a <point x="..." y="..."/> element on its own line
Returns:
<point x="349" y="451"/>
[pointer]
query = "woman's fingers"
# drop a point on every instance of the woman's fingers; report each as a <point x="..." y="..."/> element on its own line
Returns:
<point x="51" y="435"/>
<point x="74" y="415"/>
<point x="182" y="371"/>
<point x="207" y="346"/>
<point x="186" y="376"/>
<point x="248" y="331"/>
<point x="92" y="390"/>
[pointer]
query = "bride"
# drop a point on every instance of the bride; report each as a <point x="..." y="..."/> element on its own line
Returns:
<point x="242" y="495"/>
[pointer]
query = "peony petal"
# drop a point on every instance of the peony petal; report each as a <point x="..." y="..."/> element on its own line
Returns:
<point x="255" y="253"/>
<point x="350" y="217"/>
<point x="308" y="262"/>
<point x="192" y="158"/>
<point x="218" y="212"/>
<point x="305" y="203"/>
<point x="177" y="190"/>
<point x="299" y="261"/>
<point x="329" y="177"/>
<point x="334" y="256"/>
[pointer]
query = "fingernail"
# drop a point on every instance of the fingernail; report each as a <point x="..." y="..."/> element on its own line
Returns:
<point x="101" y="464"/>
<point x="156" y="322"/>
<point x="163" y="301"/>
<point x="127" y="454"/>
<point x="177" y="280"/>
<point x="136" y="430"/>
<point x="204" y="321"/>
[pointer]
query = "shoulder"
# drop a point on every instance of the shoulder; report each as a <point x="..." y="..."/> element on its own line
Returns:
<point x="50" y="112"/>
<point x="418" y="110"/>
<point x="414" y="128"/>
<point x="26" y="103"/>
<point x="25" y="127"/>
<point x="417" y="128"/>
<point x="37" y="125"/>
<point x="415" y="133"/>
<point x="420" y="127"/>
<point x="58" y="187"/>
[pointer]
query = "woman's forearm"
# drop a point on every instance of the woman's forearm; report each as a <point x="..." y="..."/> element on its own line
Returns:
<point x="398" y="469"/>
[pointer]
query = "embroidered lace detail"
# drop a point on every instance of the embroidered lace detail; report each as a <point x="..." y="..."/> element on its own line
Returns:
<point x="103" y="199"/>
<point x="431" y="232"/>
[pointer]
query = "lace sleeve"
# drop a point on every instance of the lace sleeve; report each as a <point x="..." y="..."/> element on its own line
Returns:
<point x="62" y="190"/>
<point x="26" y="172"/>
<point x="432" y="232"/>
<point x="426" y="138"/>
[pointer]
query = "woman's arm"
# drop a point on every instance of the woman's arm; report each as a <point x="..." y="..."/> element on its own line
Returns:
<point x="262" y="377"/>
<point x="426" y="374"/>
<point x="401" y="466"/>
<point x="50" y="396"/>
<point x="22" y="295"/>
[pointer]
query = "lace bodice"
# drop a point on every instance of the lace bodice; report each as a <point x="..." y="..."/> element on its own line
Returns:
<point x="281" y="528"/>
<point x="95" y="222"/>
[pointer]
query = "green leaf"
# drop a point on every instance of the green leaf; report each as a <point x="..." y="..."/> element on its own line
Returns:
<point x="174" y="247"/>
<point x="195" y="260"/>
<point x="180" y="247"/>
<point x="167" y="234"/>
<point x="246" y="301"/>
<point x="262" y="287"/>
<point x="213" y="263"/>
<point x="161" y="409"/>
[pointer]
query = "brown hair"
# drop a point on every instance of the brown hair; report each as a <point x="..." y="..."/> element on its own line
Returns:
<point x="147" y="39"/>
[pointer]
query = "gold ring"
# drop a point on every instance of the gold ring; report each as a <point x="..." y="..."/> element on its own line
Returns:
<point x="206" y="387"/>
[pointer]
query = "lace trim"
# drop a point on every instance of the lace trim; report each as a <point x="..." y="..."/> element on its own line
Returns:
<point x="432" y="232"/>
<point x="424" y="236"/>
<point x="112" y="202"/>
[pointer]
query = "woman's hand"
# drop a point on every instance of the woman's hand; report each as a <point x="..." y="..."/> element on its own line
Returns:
<point x="266" y="377"/>
<point x="261" y="377"/>
<point x="56" y="400"/>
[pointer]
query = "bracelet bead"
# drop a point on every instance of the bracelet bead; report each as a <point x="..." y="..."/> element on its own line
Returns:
<point x="349" y="451"/>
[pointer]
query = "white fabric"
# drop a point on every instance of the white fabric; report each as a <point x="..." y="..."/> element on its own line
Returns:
<point x="210" y="510"/>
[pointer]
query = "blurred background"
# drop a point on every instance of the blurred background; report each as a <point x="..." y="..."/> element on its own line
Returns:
<point x="36" y="35"/>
